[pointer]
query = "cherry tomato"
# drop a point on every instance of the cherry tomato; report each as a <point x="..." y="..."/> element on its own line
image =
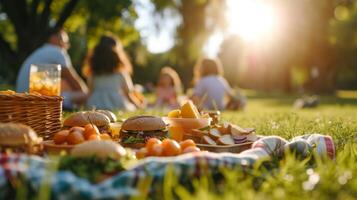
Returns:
<point x="187" y="143"/>
<point x="170" y="148"/>
<point x="75" y="137"/>
<point x="151" y="142"/>
<point x="191" y="149"/>
<point x="89" y="130"/>
<point x="94" y="137"/>
<point x="142" y="153"/>
<point x="60" y="137"/>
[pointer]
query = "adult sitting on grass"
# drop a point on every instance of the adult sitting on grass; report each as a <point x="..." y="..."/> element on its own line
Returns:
<point x="108" y="71"/>
<point x="54" y="51"/>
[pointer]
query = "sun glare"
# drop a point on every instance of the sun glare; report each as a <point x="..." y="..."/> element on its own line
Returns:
<point x="251" y="19"/>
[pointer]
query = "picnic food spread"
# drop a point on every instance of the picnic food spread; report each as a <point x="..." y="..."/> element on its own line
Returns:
<point x="137" y="130"/>
<point x="92" y="162"/>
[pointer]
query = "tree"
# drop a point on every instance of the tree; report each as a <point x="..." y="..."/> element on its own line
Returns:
<point x="27" y="22"/>
<point x="30" y="22"/>
<point x="200" y="18"/>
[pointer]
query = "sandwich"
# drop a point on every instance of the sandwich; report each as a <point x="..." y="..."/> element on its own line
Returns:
<point x="19" y="138"/>
<point x="136" y="131"/>
<point x="95" y="160"/>
<point x="80" y="119"/>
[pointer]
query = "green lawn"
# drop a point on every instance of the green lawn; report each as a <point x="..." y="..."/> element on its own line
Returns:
<point x="273" y="115"/>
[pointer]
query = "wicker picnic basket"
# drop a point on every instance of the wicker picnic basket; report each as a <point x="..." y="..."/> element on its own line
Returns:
<point x="42" y="113"/>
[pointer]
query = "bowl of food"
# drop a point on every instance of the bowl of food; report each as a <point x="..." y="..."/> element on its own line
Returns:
<point x="187" y="118"/>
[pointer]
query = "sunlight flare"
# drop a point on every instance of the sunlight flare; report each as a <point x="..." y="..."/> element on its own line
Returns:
<point x="251" y="19"/>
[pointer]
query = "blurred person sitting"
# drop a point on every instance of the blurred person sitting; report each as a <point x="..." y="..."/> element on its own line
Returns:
<point x="211" y="90"/>
<point x="168" y="88"/>
<point x="108" y="70"/>
<point x="54" y="51"/>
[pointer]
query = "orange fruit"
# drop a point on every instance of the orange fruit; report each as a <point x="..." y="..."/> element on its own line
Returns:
<point x="156" y="150"/>
<point x="89" y="130"/>
<point x="105" y="136"/>
<point x="94" y="137"/>
<point x="60" y="137"/>
<point x="151" y="142"/>
<point x="170" y="148"/>
<point x="191" y="149"/>
<point x="142" y="153"/>
<point x="75" y="137"/>
<point x="77" y="128"/>
<point x="187" y="143"/>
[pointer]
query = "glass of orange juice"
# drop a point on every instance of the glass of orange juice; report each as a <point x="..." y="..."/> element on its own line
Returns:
<point x="45" y="79"/>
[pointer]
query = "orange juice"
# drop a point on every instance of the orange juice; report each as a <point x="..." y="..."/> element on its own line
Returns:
<point x="45" y="79"/>
<point x="176" y="133"/>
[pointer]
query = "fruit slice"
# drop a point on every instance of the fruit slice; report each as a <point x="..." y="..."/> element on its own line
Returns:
<point x="224" y="128"/>
<point x="237" y="130"/>
<point x="225" y="140"/>
<point x="207" y="140"/>
<point x="214" y="133"/>
<point x="174" y="114"/>
<point x="189" y="110"/>
<point x="198" y="133"/>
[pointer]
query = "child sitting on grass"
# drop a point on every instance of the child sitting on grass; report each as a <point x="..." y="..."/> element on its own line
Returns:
<point x="211" y="88"/>
<point x="168" y="88"/>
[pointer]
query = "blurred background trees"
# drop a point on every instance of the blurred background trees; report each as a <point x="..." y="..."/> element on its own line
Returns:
<point x="314" y="50"/>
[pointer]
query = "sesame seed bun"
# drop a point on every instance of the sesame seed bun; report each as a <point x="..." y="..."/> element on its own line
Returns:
<point x="143" y="123"/>
<point x="84" y="118"/>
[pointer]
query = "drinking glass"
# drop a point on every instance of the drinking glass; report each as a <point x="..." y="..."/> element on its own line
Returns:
<point x="45" y="79"/>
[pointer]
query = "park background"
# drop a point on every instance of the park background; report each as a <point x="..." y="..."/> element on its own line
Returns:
<point x="298" y="46"/>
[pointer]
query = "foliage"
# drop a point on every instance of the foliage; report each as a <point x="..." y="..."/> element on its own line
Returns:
<point x="199" y="18"/>
<point x="22" y="32"/>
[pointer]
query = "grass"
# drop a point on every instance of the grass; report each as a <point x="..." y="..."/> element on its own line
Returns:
<point x="272" y="114"/>
<point x="293" y="179"/>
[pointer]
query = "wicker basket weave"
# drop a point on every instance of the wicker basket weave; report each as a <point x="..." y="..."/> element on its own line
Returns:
<point x="42" y="113"/>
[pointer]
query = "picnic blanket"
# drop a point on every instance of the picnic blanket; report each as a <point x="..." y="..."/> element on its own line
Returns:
<point x="35" y="172"/>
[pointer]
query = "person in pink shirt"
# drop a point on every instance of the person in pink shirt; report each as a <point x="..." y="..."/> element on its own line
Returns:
<point x="168" y="88"/>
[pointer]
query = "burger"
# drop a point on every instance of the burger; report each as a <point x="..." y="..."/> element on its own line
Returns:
<point x="95" y="160"/>
<point x="101" y="120"/>
<point x="135" y="131"/>
<point x="109" y="114"/>
<point x="19" y="138"/>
